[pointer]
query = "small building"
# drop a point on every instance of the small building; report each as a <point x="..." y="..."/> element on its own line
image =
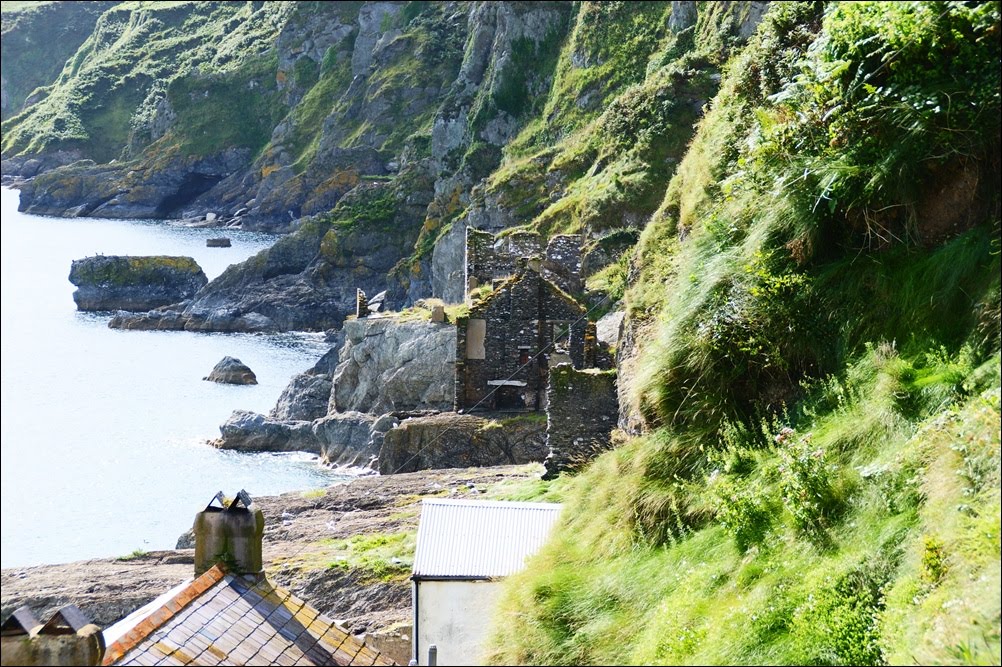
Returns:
<point x="464" y="549"/>
<point x="231" y="613"/>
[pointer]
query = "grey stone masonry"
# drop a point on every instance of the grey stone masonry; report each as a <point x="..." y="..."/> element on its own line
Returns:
<point x="490" y="258"/>
<point x="582" y="409"/>
<point x="562" y="265"/>
<point x="509" y="340"/>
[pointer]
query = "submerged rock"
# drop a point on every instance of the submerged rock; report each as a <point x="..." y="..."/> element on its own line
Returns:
<point x="134" y="283"/>
<point x="230" y="370"/>
<point x="221" y="242"/>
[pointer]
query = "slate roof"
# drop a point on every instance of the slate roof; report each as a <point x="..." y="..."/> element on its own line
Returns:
<point x="479" y="539"/>
<point x="223" y="619"/>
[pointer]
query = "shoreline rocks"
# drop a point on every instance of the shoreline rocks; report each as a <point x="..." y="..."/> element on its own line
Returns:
<point x="133" y="283"/>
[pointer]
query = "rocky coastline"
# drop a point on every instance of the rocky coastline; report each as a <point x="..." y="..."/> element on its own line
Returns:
<point x="303" y="535"/>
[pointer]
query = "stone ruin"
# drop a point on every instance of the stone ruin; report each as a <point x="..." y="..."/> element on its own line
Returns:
<point x="528" y="344"/>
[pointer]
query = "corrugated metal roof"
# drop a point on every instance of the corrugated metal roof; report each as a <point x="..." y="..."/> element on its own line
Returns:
<point x="479" y="538"/>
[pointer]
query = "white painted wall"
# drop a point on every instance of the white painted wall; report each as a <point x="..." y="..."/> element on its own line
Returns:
<point x="455" y="616"/>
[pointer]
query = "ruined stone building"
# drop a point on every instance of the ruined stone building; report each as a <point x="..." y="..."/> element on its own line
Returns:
<point x="527" y="323"/>
<point x="506" y="345"/>
<point x="527" y="343"/>
<point x="490" y="258"/>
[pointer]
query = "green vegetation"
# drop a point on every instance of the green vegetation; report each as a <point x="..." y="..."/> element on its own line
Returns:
<point x="818" y="371"/>
<point x="136" y="553"/>
<point x="614" y="125"/>
<point x="208" y="106"/>
<point x="33" y="55"/>
<point x="383" y="557"/>
<point x="195" y="51"/>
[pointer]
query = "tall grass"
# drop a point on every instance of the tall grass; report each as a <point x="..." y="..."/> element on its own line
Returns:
<point x="818" y="483"/>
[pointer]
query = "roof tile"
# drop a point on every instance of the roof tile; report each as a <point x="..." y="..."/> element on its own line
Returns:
<point x="222" y="619"/>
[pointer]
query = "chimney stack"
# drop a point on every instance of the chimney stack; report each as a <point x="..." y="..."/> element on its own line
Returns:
<point x="361" y="304"/>
<point x="229" y="533"/>
<point x="69" y="638"/>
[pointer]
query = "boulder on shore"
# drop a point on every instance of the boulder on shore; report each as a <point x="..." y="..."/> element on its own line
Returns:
<point x="134" y="284"/>
<point x="231" y="371"/>
<point x="248" y="431"/>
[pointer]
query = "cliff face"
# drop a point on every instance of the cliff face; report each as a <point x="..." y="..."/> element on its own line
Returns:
<point x="36" y="43"/>
<point x="375" y="132"/>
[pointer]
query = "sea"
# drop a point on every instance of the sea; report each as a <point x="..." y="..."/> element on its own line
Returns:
<point x="104" y="432"/>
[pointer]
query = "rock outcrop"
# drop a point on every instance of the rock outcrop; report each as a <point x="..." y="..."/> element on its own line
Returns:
<point x="134" y="283"/>
<point x="304" y="399"/>
<point x="451" y="440"/>
<point x="387" y="365"/>
<point x="252" y="432"/>
<point x="346" y="439"/>
<point x="230" y="370"/>
<point x="341" y="410"/>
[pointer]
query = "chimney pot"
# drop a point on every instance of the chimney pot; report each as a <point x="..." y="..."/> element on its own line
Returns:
<point x="230" y="534"/>
<point x="68" y="638"/>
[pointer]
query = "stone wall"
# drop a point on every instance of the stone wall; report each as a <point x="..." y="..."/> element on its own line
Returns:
<point x="451" y="440"/>
<point x="562" y="263"/>
<point x="490" y="258"/>
<point x="582" y="410"/>
<point x="509" y="340"/>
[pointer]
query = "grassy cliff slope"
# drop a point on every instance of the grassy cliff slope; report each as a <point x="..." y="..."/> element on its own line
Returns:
<point x="814" y="375"/>
<point x="38" y="38"/>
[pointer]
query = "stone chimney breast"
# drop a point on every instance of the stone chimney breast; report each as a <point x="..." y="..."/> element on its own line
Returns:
<point x="68" y="638"/>
<point x="229" y="532"/>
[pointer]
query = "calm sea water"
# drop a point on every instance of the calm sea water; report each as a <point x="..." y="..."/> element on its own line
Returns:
<point x="103" y="431"/>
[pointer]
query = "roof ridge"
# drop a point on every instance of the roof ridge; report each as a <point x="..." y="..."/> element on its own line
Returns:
<point x="491" y="503"/>
<point x="169" y="610"/>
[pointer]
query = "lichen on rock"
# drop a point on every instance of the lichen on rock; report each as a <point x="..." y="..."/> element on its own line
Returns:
<point x="134" y="283"/>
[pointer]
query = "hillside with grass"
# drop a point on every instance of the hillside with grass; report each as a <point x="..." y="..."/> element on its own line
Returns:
<point x="814" y="374"/>
<point x="796" y="205"/>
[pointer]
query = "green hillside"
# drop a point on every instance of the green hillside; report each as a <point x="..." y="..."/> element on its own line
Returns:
<point x="816" y="367"/>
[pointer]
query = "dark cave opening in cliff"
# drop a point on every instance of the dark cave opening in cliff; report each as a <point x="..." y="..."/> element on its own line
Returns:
<point x="192" y="186"/>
